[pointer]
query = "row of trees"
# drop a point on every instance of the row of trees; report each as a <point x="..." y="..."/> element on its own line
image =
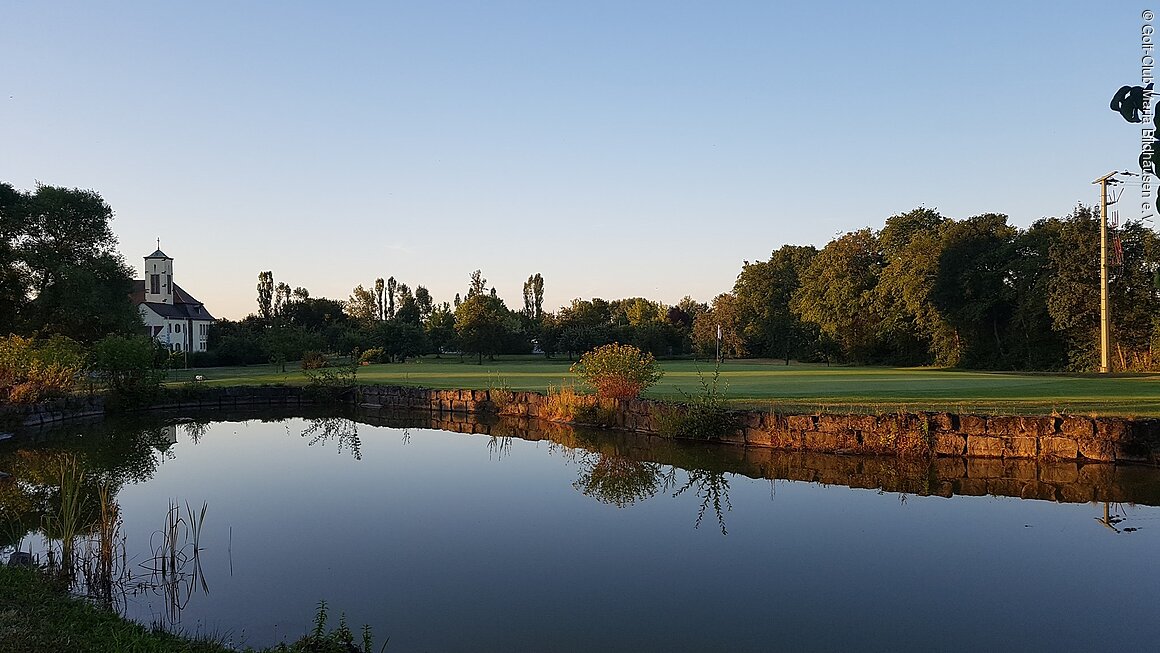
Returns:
<point x="926" y="289"/>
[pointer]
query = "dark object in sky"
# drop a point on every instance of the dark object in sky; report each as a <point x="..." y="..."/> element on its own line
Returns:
<point x="1129" y="101"/>
<point x="1150" y="154"/>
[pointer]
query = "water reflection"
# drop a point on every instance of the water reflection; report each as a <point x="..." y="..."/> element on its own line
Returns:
<point x="343" y="431"/>
<point x="617" y="480"/>
<point x="403" y="553"/>
<point x="66" y="491"/>
<point x="712" y="488"/>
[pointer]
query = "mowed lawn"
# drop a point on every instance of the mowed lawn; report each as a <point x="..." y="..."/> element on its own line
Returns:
<point x="771" y="384"/>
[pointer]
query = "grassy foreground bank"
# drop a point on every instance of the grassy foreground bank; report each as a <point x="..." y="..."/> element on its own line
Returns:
<point x="37" y="615"/>
<point x="773" y="385"/>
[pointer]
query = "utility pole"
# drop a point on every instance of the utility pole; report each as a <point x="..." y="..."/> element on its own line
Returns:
<point x="1105" y="306"/>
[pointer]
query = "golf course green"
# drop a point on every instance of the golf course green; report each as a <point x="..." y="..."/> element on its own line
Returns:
<point x="770" y="384"/>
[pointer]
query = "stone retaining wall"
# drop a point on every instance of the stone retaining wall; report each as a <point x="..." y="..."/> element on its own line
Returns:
<point x="1102" y="439"/>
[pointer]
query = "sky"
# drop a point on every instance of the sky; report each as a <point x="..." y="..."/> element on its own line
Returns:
<point x="618" y="149"/>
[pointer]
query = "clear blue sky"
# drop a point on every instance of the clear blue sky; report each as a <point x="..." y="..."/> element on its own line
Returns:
<point x="620" y="149"/>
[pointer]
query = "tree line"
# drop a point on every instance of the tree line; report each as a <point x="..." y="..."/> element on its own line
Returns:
<point x="930" y="290"/>
<point x="924" y="289"/>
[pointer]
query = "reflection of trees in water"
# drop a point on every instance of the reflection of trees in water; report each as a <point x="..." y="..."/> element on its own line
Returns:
<point x="340" y="429"/>
<point x="195" y="430"/>
<point x="617" y="480"/>
<point x="711" y="487"/>
<point x="68" y="495"/>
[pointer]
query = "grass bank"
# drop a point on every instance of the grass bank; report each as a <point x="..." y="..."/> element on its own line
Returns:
<point x="773" y="385"/>
<point x="37" y="616"/>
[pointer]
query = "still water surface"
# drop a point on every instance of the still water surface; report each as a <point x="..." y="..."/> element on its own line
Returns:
<point x="453" y="542"/>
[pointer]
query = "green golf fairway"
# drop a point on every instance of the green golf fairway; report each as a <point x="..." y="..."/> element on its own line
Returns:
<point x="771" y="384"/>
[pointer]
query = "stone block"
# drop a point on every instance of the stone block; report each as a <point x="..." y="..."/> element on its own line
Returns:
<point x="984" y="446"/>
<point x="820" y="441"/>
<point x="785" y="439"/>
<point x="734" y="437"/>
<point x="1059" y="448"/>
<point x="1004" y="425"/>
<point x="950" y="444"/>
<point x="941" y="422"/>
<point x="1020" y="447"/>
<point x="1100" y="450"/>
<point x="1131" y="452"/>
<point x="1113" y="429"/>
<point x="972" y="424"/>
<point x="758" y="437"/>
<point x="800" y="422"/>
<point x="751" y="419"/>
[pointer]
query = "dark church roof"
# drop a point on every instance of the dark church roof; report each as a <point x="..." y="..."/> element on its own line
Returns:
<point x="157" y="254"/>
<point x="184" y="306"/>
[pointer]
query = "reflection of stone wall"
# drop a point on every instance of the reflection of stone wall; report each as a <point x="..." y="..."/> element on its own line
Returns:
<point x="1104" y="439"/>
<point x="1069" y="481"/>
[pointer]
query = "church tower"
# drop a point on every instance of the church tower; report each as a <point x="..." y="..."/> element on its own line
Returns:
<point x="159" y="278"/>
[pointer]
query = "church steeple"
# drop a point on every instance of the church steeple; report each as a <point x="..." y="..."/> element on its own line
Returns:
<point x="159" y="277"/>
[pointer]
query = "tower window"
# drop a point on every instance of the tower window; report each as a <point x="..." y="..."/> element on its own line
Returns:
<point x="155" y="284"/>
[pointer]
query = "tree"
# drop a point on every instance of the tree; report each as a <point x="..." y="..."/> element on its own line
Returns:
<point x="361" y="305"/>
<point x="380" y="310"/>
<point x="407" y="310"/>
<point x="59" y="268"/>
<point x="481" y="324"/>
<point x="836" y="294"/>
<point x="13" y="282"/>
<point x="424" y="302"/>
<point x="281" y="298"/>
<point x="440" y="328"/>
<point x="972" y="289"/>
<point x="912" y="328"/>
<point x="266" y="295"/>
<point x="478" y="284"/>
<point x="392" y="288"/>
<point x="724" y="314"/>
<point x="763" y="292"/>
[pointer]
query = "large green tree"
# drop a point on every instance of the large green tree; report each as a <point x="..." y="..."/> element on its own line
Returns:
<point x="763" y="292"/>
<point x="481" y="323"/>
<point x="837" y="295"/>
<point x="59" y="269"/>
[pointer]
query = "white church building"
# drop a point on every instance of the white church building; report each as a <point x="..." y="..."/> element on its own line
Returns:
<point x="171" y="315"/>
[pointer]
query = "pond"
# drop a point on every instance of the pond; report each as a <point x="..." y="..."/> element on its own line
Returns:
<point x="541" y="537"/>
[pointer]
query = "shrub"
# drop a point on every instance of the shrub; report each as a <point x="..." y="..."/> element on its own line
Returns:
<point x="617" y="371"/>
<point x="313" y="360"/>
<point x="561" y="403"/>
<point x="372" y="355"/>
<point x="31" y="371"/>
<point x="132" y="366"/>
<point x="705" y="416"/>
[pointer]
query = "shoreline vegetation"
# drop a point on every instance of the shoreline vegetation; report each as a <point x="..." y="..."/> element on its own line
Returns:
<point x="39" y="615"/>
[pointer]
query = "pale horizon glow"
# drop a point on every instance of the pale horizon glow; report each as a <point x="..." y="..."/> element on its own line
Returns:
<point x="618" y="150"/>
